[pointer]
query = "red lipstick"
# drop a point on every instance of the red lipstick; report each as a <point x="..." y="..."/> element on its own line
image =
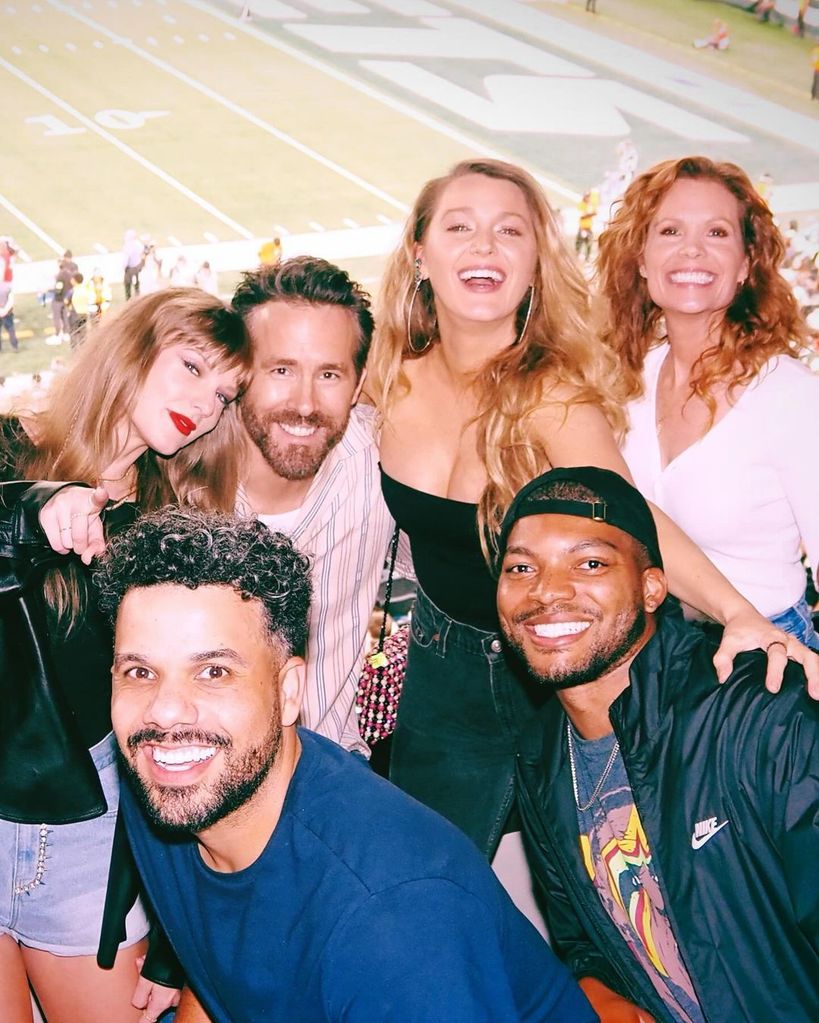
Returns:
<point x="182" y="423"/>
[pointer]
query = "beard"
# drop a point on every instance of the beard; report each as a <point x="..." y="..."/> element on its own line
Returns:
<point x="194" y="808"/>
<point x="296" y="461"/>
<point x="609" y="651"/>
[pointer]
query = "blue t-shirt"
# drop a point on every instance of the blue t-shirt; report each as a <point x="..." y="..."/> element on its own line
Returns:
<point x="363" y="906"/>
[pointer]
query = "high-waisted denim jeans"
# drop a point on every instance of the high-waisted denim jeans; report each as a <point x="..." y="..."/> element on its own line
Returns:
<point x="797" y="621"/>
<point x="462" y="708"/>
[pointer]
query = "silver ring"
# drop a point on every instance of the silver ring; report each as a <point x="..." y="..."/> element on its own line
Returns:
<point x="65" y="529"/>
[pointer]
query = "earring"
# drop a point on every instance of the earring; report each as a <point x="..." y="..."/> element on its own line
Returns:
<point x="416" y="287"/>
<point x="528" y="313"/>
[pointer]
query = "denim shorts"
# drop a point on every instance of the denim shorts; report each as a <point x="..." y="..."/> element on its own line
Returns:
<point x="462" y="708"/>
<point x="797" y="621"/>
<point x="53" y="877"/>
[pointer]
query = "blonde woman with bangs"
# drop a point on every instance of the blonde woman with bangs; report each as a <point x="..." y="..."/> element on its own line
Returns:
<point x="723" y="415"/>
<point x="145" y="416"/>
<point x="487" y="374"/>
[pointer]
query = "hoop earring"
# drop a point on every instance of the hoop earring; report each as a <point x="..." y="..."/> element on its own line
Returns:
<point x="528" y="314"/>
<point x="416" y="288"/>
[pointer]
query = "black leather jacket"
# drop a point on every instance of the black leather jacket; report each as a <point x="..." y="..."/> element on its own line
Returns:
<point x="743" y="907"/>
<point x="46" y="771"/>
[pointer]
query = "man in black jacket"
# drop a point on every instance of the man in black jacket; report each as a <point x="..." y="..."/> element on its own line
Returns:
<point x="673" y="823"/>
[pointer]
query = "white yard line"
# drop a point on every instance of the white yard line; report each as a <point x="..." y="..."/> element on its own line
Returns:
<point x="9" y="206"/>
<point x="92" y="125"/>
<point x="388" y="101"/>
<point x="234" y="108"/>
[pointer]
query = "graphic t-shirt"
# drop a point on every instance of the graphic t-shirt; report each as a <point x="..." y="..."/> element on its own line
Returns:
<point x="618" y="861"/>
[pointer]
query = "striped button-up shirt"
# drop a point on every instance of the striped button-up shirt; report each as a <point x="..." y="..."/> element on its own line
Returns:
<point x="345" y="528"/>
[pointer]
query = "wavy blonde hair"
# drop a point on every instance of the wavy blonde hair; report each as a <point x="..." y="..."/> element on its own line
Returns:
<point x="75" y="434"/>
<point x="557" y="345"/>
<point x="763" y="319"/>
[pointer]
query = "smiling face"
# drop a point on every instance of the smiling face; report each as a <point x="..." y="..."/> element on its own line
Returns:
<point x="694" y="256"/>
<point x="479" y="251"/>
<point x="304" y="384"/>
<point x="182" y="398"/>
<point x="573" y="597"/>
<point x="201" y="695"/>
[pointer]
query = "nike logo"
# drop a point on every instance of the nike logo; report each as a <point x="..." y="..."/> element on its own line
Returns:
<point x="704" y="831"/>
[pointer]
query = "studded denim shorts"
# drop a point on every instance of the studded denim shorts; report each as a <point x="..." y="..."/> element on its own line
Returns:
<point x="53" y="877"/>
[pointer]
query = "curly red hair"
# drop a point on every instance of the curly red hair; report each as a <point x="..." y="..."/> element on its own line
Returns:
<point x="763" y="320"/>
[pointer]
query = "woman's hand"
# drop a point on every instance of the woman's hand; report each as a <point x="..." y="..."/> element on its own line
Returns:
<point x="72" y="521"/>
<point x="748" y="630"/>
<point x="152" y="998"/>
<point x="611" y="1007"/>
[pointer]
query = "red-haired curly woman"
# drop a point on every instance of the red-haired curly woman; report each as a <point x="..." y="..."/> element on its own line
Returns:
<point x="723" y="415"/>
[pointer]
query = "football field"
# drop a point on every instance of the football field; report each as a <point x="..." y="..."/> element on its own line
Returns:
<point x="318" y="120"/>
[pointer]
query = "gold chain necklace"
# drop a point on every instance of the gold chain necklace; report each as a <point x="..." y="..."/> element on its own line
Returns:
<point x="603" y="776"/>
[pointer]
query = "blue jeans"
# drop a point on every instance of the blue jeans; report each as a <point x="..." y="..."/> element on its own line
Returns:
<point x="462" y="708"/>
<point x="797" y="621"/>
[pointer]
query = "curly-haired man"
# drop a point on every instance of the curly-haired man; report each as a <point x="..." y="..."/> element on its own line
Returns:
<point x="293" y="883"/>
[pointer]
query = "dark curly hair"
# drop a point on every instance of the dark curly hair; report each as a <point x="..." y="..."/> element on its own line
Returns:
<point x="312" y="281"/>
<point x="196" y="548"/>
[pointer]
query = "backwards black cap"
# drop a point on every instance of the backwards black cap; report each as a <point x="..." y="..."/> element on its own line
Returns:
<point x="616" y="503"/>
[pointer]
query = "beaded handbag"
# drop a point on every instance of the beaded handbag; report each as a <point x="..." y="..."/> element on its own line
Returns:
<point x="382" y="676"/>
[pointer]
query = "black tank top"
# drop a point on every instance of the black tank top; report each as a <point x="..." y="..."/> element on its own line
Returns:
<point x="446" y="552"/>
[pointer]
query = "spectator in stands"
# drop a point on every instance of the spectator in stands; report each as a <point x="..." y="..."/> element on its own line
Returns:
<point x="206" y="279"/>
<point x="78" y="312"/>
<point x="718" y="40"/>
<point x="66" y="268"/>
<point x="151" y="276"/>
<point x="270" y="253"/>
<point x="99" y="295"/>
<point x="7" y="314"/>
<point x="722" y="411"/>
<point x="133" y="259"/>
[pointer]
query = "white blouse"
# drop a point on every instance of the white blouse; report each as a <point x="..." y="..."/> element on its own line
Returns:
<point x="747" y="492"/>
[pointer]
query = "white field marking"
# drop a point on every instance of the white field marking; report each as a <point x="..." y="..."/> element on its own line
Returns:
<point x="92" y="125"/>
<point x="203" y="38"/>
<point x="660" y="75"/>
<point x="42" y="48"/>
<point x="384" y="218"/>
<point x="112" y="3"/>
<point x="16" y="50"/>
<point x="11" y="10"/>
<point x="9" y="206"/>
<point x="414" y="8"/>
<point x="37" y="8"/>
<point x="71" y="47"/>
<point x="97" y="44"/>
<point x="349" y="222"/>
<point x="87" y="5"/>
<point x="101" y="248"/>
<point x="22" y="254"/>
<point x="314" y="225"/>
<point x="178" y="39"/>
<point x="174" y="241"/>
<point x="209" y="236"/>
<point x="388" y="101"/>
<point x="151" y="41"/>
<point x="230" y="37"/>
<point x="169" y="18"/>
<point x="234" y="108"/>
<point x="280" y="230"/>
<point x="337" y="6"/>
